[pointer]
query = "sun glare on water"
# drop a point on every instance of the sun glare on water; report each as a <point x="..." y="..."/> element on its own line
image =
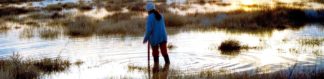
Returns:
<point x="248" y="2"/>
<point x="253" y="2"/>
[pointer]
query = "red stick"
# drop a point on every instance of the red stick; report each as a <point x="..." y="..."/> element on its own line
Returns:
<point x="148" y="60"/>
<point x="148" y="52"/>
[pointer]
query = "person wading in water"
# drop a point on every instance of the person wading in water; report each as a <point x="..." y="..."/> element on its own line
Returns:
<point x="156" y="33"/>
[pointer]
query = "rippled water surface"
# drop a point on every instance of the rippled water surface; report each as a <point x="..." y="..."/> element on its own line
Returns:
<point x="109" y="57"/>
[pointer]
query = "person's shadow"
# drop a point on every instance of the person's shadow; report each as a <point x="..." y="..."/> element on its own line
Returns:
<point x="160" y="73"/>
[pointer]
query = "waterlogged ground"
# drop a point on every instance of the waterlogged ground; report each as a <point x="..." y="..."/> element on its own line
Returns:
<point x="193" y="51"/>
<point x="113" y="57"/>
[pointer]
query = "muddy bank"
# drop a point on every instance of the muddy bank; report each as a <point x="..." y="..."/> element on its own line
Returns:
<point x="17" y="1"/>
<point x="7" y="11"/>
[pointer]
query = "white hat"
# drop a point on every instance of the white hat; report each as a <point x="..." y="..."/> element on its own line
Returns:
<point x="150" y="6"/>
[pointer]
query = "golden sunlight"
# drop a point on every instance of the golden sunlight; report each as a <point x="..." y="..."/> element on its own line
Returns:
<point x="248" y="2"/>
<point x="253" y="2"/>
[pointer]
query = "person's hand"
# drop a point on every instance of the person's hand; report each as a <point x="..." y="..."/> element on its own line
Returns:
<point x="144" y="41"/>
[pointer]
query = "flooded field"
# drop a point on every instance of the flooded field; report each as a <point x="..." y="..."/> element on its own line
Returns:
<point x="109" y="49"/>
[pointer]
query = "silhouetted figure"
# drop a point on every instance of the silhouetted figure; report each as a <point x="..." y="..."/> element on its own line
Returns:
<point x="156" y="33"/>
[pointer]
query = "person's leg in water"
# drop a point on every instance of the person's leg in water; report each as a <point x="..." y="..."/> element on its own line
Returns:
<point x="155" y="53"/>
<point x="156" y="71"/>
<point x="164" y="51"/>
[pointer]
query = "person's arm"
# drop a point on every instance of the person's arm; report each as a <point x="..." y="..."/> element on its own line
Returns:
<point x="149" y="28"/>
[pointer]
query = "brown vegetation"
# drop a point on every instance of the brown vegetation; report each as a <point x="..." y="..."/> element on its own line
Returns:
<point x="174" y="20"/>
<point x="6" y="11"/>
<point x="277" y="18"/>
<point x="49" y="65"/>
<point x="60" y="6"/>
<point x="49" y="34"/>
<point x="16" y="67"/>
<point x="258" y="73"/>
<point x="27" y="33"/>
<point x="16" y="1"/>
<point x="231" y="47"/>
<point x="82" y="26"/>
<point x="3" y="28"/>
<point x="312" y="42"/>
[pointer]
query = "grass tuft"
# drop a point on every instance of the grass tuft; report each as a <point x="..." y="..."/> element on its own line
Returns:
<point x="4" y="28"/>
<point x="311" y="42"/>
<point x="17" y="67"/>
<point x="82" y="26"/>
<point x="49" y="65"/>
<point x="108" y="27"/>
<point x="174" y="20"/>
<point x="49" y="34"/>
<point x="232" y="47"/>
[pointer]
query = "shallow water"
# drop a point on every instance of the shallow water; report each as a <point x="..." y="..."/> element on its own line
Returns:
<point x="109" y="57"/>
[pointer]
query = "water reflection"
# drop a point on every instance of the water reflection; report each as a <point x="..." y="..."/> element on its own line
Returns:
<point x="195" y="51"/>
<point x="160" y="73"/>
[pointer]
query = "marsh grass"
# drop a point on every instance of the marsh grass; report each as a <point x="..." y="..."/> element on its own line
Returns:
<point x="17" y="67"/>
<point x="61" y="6"/>
<point x="311" y="42"/>
<point x="174" y="20"/>
<point x="27" y="33"/>
<point x="16" y="1"/>
<point x="117" y="5"/>
<point x="122" y="27"/>
<point x="264" y="20"/>
<point x="45" y="16"/>
<point x="120" y="16"/>
<point x="6" y="11"/>
<point x="79" y="62"/>
<point x="233" y="47"/>
<point x="32" y="23"/>
<point x="4" y="28"/>
<point x="54" y="7"/>
<point x="230" y="45"/>
<point x="49" y="34"/>
<point x="135" y="68"/>
<point x="279" y="18"/>
<point x="258" y="73"/>
<point x="81" y="26"/>
<point x="49" y="65"/>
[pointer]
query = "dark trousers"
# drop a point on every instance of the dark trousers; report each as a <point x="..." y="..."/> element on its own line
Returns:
<point x="163" y="48"/>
